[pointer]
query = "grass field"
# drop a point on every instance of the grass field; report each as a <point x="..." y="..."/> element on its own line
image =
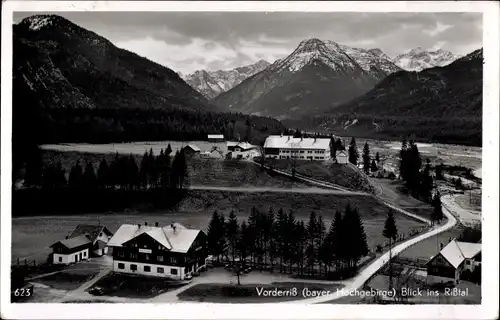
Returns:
<point x="249" y="293"/>
<point x="343" y="175"/>
<point x="32" y="236"/>
<point x="135" y="148"/>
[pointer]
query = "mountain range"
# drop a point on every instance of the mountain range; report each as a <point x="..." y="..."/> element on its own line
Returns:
<point x="63" y="65"/>
<point x="437" y="104"/>
<point x="316" y="76"/>
<point x="419" y="59"/>
<point x="213" y="83"/>
<point x="321" y="75"/>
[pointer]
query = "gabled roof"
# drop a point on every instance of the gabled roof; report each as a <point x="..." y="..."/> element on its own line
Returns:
<point x="178" y="239"/>
<point x="341" y="153"/>
<point x="71" y="243"/>
<point x="91" y="231"/>
<point x="193" y="147"/>
<point x="453" y="254"/>
<point x="456" y="252"/>
<point x="469" y="249"/>
<point x="289" y="142"/>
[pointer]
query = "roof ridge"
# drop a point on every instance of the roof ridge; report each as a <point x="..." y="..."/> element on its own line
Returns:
<point x="166" y="237"/>
<point x="459" y="249"/>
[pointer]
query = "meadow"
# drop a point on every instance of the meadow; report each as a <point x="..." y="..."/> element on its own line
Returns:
<point x="32" y="236"/>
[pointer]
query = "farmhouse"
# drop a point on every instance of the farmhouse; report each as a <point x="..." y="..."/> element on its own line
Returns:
<point x="216" y="138"/>
<point x="288" y="147"/>
<point x="452" y="260"/>
<point x="341" y="157"/>
<point x="191" y="150"/>
<point x="169" y="252"/>
<point x="99" y="235"/>
<point x="214" y="154"/>
<point x="71" y="250"/>
<point x="242" y="150"/>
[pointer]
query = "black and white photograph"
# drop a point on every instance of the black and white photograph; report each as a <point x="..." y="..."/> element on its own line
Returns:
<point x="271" y="157"/>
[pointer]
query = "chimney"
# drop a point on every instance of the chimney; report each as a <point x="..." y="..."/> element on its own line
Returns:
<point x="281" y="134"/>
<point x="145" y="223"/>
<point x="301" y="139"/>
<point x="139" y="225"/>
<point x="288" y="138"/>
<point x="67" y="237"/>
<point x="314" y="139"/>
<point x="441" y="245"/>
<point x="157" y="224"/>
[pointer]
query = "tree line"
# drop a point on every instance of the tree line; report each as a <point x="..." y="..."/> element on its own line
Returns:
<point x="124" y="173"/>
<point x="278" y="240"/>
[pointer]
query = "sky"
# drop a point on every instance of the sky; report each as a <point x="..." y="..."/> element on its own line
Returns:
<point x="189" y="41"/>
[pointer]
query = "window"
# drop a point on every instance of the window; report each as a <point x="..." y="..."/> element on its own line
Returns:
<point x="60" y="259"/>
<point x="173" y="271"/>
<point x="133" y="255"/>
<point x="100" y="234"/>
<point x="121" y="254"/>
<point x="121" y="266"/>
<point x="133" y="267"/>
<point x="160" y="270"/>
<point x="85" y="253"/>
<point x="160" y="247"/>
<point x="159" y="258"/>
<point x="147" y="269"/>
<point x="147" y="257"/>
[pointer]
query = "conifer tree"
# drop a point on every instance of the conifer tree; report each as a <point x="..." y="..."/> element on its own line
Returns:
<point x="232" y="230"/>
<point x="437" y="212"/>
<point x="60" y="176"/>
<point x="377" y="157"/>
<point x="366" y="158"/>
<point x="312" y="231"/>
<point x="133" y="173"/>
<point x="214" y="235"/>
<point x="103" y="174"/>
<point x="33" y="175"/>
<point x="353" y="152"/>
<point x="75" y="176"/>
<point x="374" y="166"/>
<point x="168" y="151"/>
<point x="390" y="232"/>
<point x="89" y="180"/>
<point x="426" y="183"/>
<point x="439" y="172"/>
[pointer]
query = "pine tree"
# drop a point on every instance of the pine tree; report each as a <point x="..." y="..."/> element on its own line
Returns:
<point x="403" y="162"/>
<point x="374" y="166"/>
<point x="232" y="230"/>
<point x="377" y="157"/>
<point x="59" y="176"/>
<point x="89" y="180"/>
<point x="168" y="151"/>
<point x="33" y="175"/>
<point x="243" y="241"/>
<point x="75" y="176"/>
<point x="222" y="245"/>
<point x="214" y="235"/>
<point x="103" y="174"/>
<point x="353" y="152"/>
<point x="336" y="235"/>
<point x="439" y="172"/>
<point x="312" y="227"/>
<point x="390" y="232"/>
<point x="426" y="183"/>
<point x="366" y="158"/>
<point x="280" y="238"/>
<point x="333" y="148"/>
<point x="359" y="236"/>
<point x="133" y="173"/>
<point x="144" y="171"/>
<point x="437" y="212"/>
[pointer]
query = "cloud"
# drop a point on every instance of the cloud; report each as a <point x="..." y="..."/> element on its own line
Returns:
<point x="439" y="28"/>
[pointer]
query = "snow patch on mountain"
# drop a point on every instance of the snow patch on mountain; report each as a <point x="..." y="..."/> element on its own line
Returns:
<point x="38" y="22"/>
<point x="213" y="83"/>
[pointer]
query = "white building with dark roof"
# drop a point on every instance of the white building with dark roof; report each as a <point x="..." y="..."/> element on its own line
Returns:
<point x="172" y="252"/>
<point x="288" y="147"/>
<point x="242" y="150"/>
<point x="215" y="138"/>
